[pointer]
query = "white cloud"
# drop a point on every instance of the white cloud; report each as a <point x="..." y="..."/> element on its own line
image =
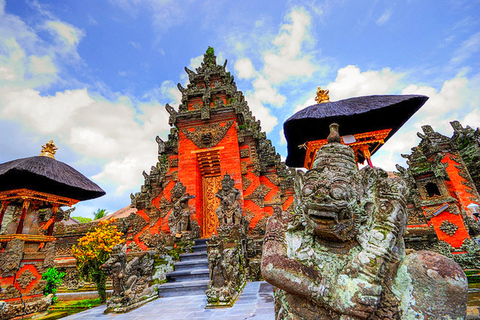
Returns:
<point x="351" y="82"/>
<point x="287" y="60"/>
<point x="466" y="49"/>
<point x="42" y="65"/>
<point x="456" y="100"/>
<point x="65" y="32"/>
<point x="244" y="68"/>
<point x="309" y="102"/>
<point x="264" y="92"/>
<point x="130" y="168"/>
<point x="384" y="17"/>
<point x="283" y="140"/>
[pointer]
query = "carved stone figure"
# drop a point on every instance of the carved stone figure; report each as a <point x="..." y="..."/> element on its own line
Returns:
<point x="341" y="254"/>
<point x="179" y="220"/>
<point x="226" y="277"/>
<point x="129" y="279"/>
<point x="229" y="211"/>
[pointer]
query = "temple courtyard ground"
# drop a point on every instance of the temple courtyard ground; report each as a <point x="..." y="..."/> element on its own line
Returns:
<point x="255" y="302"/>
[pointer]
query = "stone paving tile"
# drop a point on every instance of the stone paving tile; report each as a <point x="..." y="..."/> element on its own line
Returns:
<point x="255" y="302"/>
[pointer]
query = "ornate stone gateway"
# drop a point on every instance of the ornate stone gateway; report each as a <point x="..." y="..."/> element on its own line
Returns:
<point x="213" y="133"/>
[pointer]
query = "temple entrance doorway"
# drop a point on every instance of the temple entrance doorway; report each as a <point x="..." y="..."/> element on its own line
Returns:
<point x="209" y="167"/>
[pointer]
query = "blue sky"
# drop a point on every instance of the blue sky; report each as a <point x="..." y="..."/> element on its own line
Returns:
<point x="94" y="75"/>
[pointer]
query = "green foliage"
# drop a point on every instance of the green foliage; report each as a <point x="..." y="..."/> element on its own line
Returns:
<point x="210" y="51"/>
<point x="54" y="280"/>
<point x="100" y="213"/>
<point x="93" y="250"/>
<point x="82" y="219"/>
<point x="88" y="303"/>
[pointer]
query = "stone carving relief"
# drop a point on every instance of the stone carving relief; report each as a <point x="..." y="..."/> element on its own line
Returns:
<point x="129" y="279"/>
<point x="258" y="195"/>
<point x="341" y="254"/>
<point x="244" y="153"/>
<point x="25" y="278"/>
<point x="448" y="228"/>
<point x="11" y="257"/>
<point x="226" y="278"/>
<point x="179" y="219"/>
<point x="229" y="212"/>
<point x="208" y="135"/>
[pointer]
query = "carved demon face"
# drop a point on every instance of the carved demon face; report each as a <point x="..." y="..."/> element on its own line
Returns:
<point x="330" y="204"/>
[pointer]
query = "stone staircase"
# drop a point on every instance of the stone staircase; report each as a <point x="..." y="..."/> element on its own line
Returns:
<point x="191" y="273"/>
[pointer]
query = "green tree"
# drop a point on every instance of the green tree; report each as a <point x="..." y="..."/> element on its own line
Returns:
<point x="100" y="213"/>
<point x="54" y="280"/>
<point x="93" y="250"/>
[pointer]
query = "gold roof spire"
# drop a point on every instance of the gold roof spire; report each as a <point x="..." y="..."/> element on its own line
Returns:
<point x="49" y="150"/>
<point x="322" y="96"/>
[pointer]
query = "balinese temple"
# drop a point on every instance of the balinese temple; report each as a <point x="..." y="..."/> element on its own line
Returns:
<point x="32" y="192"/>
<point x="214" y="139"/>
<point x="444" y="179"/>
<point x="366" y="123"/>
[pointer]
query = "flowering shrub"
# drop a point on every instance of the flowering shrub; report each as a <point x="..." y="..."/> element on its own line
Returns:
<point x="93" y="250"/>
<point x="54" y="280"/>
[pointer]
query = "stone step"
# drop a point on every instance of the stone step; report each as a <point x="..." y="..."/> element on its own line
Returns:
<point x="175" y="289"/>
<point x="188" y="275"/>
<point x="191" y="264"/>
<point x="201" y="241"/>
<point x="201" y="247"/>
<point x="193" y="256"/>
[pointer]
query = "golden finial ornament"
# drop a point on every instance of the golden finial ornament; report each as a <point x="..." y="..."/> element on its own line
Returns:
<point x="322" y="96"/>
<point x="49" y="150"/>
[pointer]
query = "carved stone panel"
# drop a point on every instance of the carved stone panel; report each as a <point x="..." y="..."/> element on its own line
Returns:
<point x="244" y="153"/>
<point x="208" y="135"/>
<point x="25" y="278"/>
<point x="448" y="228"/>
<point x="258" y="196"/>
<point x="210" y="185"/>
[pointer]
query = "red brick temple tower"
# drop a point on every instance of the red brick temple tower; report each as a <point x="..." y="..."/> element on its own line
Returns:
<point x="213" y="134"/>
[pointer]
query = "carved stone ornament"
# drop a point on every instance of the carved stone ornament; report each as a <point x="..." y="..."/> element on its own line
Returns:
<point x="341" y="254"/>
<point x="12" y="256"/>
<point x="25" y="278"/>
<point x="129" y="279"/>
<point x="258" y="195"/>
<point x="246" y="183"/>
<point x="179" y="219"/>
<point x="229" y="211"/>
<point x="208" y="135"/>
<point x="225" y="266"/>
<point x="448" y="228"/>
<point x="244" y="153"/>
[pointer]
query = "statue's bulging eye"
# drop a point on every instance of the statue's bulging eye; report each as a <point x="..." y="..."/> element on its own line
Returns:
<point x="338" y="193"/>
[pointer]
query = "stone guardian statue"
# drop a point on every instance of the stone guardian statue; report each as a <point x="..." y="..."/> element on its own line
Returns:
<point x="341" y="254"/>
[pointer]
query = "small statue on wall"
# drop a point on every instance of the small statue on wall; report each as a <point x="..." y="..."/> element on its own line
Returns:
<point x="341" y="255"/>
<point x="179" y="220"/>
<point x="229" y="212"/>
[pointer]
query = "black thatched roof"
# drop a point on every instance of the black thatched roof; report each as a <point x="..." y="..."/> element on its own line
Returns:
<point x="47" y="175"/>
<point x="354" y="115"/>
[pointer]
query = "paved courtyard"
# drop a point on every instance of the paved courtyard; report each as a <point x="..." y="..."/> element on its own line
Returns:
<point x="255" y="302"/>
